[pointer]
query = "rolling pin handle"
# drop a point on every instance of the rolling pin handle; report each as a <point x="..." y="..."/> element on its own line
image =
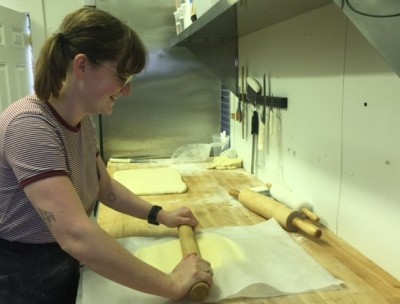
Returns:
<point x="234" y="193"/>
<point x="311" y="215"/>
<point x="307" y="228"/>
<point x="199" y="291"/>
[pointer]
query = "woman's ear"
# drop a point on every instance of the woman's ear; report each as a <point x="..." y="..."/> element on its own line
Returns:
<point x="80" y="66"/>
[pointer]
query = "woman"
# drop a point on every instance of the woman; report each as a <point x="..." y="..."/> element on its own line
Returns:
<point x="51" y="173"/>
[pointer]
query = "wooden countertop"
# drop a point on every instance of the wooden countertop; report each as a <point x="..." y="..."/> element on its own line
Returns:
<point x="208" y="198"/>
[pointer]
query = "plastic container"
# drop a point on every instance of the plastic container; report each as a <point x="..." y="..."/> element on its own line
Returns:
<point x="191" y="153"/>
<point x="204" y="5"/>
<point x="186" y="12"/>
<point x="219" y="144"/>
<point x="177" y="22"/>
<point x="181" y="19"/>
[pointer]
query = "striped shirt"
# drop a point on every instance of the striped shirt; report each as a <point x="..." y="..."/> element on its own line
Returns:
<point x="36" y="143"/>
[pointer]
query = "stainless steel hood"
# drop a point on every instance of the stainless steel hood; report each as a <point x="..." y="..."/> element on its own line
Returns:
<point x="382" y="32"/>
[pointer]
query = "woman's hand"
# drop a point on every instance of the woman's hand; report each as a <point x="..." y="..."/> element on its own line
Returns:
<point x="188" y="272"/>
<point x="178" y="217"/>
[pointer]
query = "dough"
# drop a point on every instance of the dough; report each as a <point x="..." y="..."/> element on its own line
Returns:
<point x="223" y="162"/>
<point x="151" y="181"/>
<point x="213" y="248"/>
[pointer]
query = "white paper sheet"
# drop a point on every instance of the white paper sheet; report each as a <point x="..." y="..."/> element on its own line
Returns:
<point x="274" y="265"/>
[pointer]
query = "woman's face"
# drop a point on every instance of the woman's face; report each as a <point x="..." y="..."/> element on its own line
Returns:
<point x="105" y="87"/>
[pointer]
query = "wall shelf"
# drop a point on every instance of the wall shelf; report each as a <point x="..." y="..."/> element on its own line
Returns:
<point x="218" y="23"/>
<point x="250" y="16"/>
<point x="213" y="37"/>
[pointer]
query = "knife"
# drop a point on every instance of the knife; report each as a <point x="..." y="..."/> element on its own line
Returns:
<point x="261" y="131"/>
<point x="254" y="132"/>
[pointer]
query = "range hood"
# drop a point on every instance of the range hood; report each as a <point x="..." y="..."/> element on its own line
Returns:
<point x="382" y="32"/>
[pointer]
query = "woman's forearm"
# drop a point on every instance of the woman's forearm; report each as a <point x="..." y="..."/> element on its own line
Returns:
<point x="104" y="255"/>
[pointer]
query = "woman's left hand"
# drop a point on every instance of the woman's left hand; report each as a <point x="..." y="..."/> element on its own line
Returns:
<point x="178" y="217"/>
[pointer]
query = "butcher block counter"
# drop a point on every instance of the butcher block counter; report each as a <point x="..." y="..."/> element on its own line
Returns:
<point x="208" y="198"/>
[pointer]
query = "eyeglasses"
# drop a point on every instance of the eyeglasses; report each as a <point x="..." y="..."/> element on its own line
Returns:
<point x="125" y="79"/>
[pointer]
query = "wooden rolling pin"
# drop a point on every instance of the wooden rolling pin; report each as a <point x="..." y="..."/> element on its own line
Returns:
<point x="267" y="207"/>
<point x="199" y="291"/>
<point x="289" y="198"/>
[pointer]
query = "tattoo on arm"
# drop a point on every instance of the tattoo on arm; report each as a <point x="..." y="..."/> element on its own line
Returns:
<point x="111" y="197"/>
<point x="47" y="216"/>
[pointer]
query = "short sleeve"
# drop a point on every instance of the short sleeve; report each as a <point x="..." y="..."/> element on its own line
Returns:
<point x="33" y="146"/>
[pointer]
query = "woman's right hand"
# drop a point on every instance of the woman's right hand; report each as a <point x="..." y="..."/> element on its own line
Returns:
<point x="188" y="272"/>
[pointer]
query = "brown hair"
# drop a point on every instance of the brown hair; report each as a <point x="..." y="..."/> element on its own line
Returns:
<point x="95" y="33"/>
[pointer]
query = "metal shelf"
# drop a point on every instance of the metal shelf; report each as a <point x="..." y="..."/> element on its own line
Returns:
<point x="218" y="23"/>
<point x="249" y="16"/>
<point x="213" y="37"/>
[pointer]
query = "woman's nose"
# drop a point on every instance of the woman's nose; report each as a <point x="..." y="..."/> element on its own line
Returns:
<point x="126" y="89"/>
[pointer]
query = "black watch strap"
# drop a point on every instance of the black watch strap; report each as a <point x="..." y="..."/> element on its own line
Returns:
<point x="152" y="217"/>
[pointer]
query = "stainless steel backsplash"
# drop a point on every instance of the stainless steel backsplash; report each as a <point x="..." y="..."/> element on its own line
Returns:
<point x="175" y="101"/>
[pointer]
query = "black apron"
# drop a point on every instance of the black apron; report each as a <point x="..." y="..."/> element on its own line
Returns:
<point x="37" y="274"/>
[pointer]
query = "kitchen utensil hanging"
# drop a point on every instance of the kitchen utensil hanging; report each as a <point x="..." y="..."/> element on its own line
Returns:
<point x="261" y="130"/>
<point x="253" y="90"/>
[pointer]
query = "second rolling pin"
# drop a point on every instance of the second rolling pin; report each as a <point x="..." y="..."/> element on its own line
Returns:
<point x="269" y="208"/>
<point x="292" y="200"/>
<point x="199" y="291"/>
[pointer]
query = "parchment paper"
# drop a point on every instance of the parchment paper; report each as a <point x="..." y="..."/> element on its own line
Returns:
<point x="274" y="265"/>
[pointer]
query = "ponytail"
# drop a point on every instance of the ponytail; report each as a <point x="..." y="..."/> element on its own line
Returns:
<point x="51" y="67"/>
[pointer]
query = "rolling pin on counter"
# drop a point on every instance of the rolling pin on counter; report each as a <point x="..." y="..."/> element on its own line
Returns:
<point x="268" y="208"/>
<point x="292" y="200"/>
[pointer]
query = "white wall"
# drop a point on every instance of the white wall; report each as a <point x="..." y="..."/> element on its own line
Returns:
<point x="337" y="144"/>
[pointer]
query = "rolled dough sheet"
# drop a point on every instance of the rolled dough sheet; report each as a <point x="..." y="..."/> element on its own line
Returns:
<point x="248" y="261"/>
<point x="151" y="181"/>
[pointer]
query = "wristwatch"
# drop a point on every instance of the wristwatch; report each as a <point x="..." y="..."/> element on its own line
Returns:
<point x="152" y="217"/>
